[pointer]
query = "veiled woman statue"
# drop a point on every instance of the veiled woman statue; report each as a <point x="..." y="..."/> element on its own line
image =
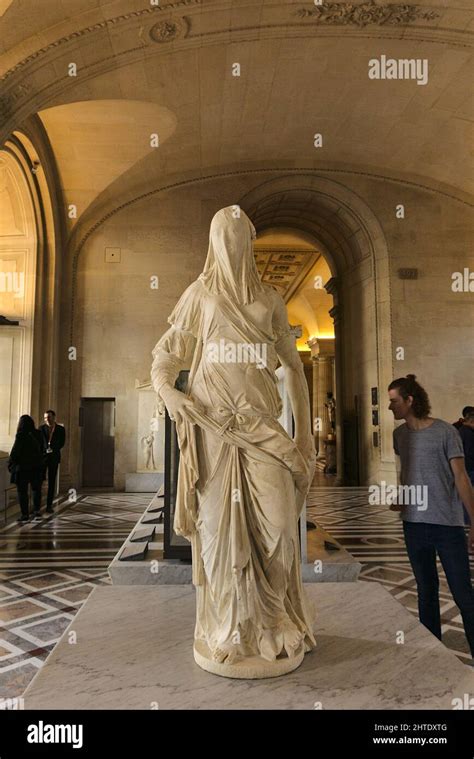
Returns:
<point x="242" y="480"/>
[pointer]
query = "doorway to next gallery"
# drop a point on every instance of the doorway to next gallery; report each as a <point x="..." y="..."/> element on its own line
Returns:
<point x="97" y="422"/>
<point x="300" y="273"/>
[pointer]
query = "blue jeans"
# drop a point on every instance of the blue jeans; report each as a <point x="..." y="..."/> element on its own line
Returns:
<point x="423" y="542"/>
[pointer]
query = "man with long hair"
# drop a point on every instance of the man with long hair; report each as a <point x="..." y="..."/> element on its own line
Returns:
<point x="432" y="456"/>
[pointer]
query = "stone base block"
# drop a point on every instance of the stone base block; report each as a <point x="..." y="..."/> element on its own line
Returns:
<point x="143" y="482"/>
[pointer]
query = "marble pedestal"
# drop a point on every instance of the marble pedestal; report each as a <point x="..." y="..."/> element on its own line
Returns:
<point x="322" y="565"/>
<point x="147" y="566"/>
<point x="143" y="482"/>
<point x="134" y="650"/>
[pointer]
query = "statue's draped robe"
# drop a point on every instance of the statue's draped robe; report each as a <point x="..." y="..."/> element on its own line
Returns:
<point x="242" y="481"/>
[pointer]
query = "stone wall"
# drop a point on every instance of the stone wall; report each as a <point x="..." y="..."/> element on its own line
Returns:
<point x="119" y="317"/>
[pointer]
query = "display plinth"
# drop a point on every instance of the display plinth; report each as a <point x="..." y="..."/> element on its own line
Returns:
<point x="134" y="649"/>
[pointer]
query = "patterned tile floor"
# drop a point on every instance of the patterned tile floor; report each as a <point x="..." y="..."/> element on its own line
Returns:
<point x="35" y="609"/>
<point x="374" y="536"/>
<point x="48" y="569"/>
<point x="87" y="533"/>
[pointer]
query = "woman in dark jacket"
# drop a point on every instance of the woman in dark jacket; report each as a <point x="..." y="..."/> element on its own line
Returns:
<point x="26" y="465"/>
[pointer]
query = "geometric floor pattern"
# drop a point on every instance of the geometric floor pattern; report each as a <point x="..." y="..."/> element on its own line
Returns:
<point x="86" y="533"/>
<point x="48" y="569"/>
<point x="35" y="609"/>
<point x="374" y="536"/>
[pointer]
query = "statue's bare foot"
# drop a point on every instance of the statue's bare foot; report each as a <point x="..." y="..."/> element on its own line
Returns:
<point x="225" y="653"/>
<point x="292" y="638"/>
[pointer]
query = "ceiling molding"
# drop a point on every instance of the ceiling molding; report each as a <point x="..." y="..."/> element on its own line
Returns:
<point x="386" y="17"/>
<point x="367" y="13"/>
<point x="100" y="25"/>
<point x="22" y="96"/>
<point x="301" y="171"/>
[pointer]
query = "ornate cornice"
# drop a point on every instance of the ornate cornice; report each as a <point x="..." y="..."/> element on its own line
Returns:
<point x="245" y="172"/>
<point x="336" y="314"/>
<point x="343" y="14"/>
<point x="109" y="22"/>
<point x="330" y="14"/>
<point x="332" y="286"/>
<point x="167" y="31"/>
<point x="331" y="19"/>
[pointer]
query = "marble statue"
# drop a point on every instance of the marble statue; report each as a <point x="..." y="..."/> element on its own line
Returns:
<point x="242" y="480"/>
<point x="331" y="407"/>
<point x="148" y="454"/>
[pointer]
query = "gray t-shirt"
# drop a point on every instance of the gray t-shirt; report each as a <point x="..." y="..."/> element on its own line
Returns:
<point x="425" y="455"/>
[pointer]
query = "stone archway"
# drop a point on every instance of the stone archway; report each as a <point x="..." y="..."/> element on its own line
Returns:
<point x="34" y="246"/>
<point x="327" y="213"/>
<point x="352" y="241"/>
<point x="18" y="259"/>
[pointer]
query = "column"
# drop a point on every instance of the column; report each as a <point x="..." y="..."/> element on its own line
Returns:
<point x="313" y="345"/>
<point x="336" y="315"/>
<point x="324" y="387"/>
<point x="322" y="353"/>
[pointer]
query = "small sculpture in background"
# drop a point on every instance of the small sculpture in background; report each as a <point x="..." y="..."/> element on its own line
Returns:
<point x="148" y="454"/>
<point x="331" y="407"/>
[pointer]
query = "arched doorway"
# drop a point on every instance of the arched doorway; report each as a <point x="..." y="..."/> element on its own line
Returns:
<point x="29" y="235"/>
<point x="299" y="272"/>
<point x="336" y="222"/>
<point x="321" y="212"/>
<point x="18" y="259"/>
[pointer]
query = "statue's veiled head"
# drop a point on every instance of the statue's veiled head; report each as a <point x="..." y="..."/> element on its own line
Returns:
<point x="230" y="267"/>
<point x="231" y="234"/>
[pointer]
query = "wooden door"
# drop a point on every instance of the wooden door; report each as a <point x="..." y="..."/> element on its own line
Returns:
<point x="97" y="419"/>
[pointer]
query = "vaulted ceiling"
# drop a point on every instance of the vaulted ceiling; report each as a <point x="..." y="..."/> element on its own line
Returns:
<point x="167" y="70"/>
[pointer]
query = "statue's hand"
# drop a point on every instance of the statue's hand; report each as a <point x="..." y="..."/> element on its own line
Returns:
<point x="178" y="403"/>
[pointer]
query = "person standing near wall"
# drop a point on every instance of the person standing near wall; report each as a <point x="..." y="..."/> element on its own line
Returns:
<point x="432" y="457"/>
<point x="466" y="430"/>
<point x="25" y="465"/>
<point x="54" y="438"/>
<point x="466" y="410"/>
